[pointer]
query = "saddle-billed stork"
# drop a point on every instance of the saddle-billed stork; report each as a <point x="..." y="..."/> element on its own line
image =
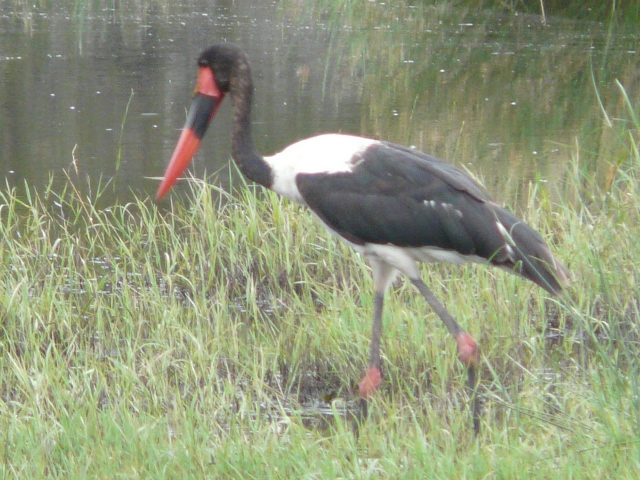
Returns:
<point x="395" y="205"/>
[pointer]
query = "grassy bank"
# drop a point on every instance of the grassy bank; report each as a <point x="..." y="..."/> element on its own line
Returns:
<point x="224" y="337"/>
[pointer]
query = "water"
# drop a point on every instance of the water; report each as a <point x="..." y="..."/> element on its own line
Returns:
<point x="504" y="96"/>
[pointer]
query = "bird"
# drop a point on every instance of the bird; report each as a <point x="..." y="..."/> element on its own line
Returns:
<point x="395" y="205"/>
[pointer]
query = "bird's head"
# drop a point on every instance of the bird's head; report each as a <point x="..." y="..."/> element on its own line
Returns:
<point x="216" y="70"/>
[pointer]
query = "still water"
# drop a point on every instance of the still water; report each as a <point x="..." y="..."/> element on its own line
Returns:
<point x="103" y="90"/>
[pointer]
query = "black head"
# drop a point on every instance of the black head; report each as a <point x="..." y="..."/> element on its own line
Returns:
<point x="223" y="59"/>
<point x="222" y="69"/>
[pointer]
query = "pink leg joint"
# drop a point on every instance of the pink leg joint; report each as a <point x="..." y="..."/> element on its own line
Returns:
<point x="467" y="349"/>
<point x="370" y="382"/>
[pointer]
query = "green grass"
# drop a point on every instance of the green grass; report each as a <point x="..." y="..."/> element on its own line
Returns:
<point x="224" y="337"/>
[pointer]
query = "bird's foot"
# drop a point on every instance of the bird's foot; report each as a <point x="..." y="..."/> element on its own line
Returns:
<point x="468" y="355"/>
<point x="467" y="349"/>
<point x="370" y="382"/>
<point x="367" y="386"/>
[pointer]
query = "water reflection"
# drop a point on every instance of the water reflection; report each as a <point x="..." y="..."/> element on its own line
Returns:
<point x="68" y="81"/>
<point x="504" y="96"/>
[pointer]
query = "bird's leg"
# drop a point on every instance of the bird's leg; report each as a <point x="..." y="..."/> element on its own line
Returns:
<point x="371" y="380"/>
<point x="467" y="346"/>
<point x="383" y="275"/>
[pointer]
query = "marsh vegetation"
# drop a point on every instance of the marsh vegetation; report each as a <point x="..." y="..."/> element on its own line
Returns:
<point x="222" y="334"/>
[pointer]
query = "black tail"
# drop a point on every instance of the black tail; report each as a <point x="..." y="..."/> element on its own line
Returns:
<point x="533" y="258"/>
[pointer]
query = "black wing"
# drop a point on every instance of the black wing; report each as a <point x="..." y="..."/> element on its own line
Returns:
<point x="395" y="195"/>
<point x="403" y="197"/>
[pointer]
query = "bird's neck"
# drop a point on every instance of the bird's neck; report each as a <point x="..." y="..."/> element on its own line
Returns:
<point x="249" y="161"/>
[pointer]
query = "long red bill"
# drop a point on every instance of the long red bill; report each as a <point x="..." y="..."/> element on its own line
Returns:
<point x="203" y="108"/>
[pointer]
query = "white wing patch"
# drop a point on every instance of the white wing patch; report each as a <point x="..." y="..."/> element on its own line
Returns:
<point x="445" y="206"/>
<point x="329" y="153"/>
<point x="508" y="241"/>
